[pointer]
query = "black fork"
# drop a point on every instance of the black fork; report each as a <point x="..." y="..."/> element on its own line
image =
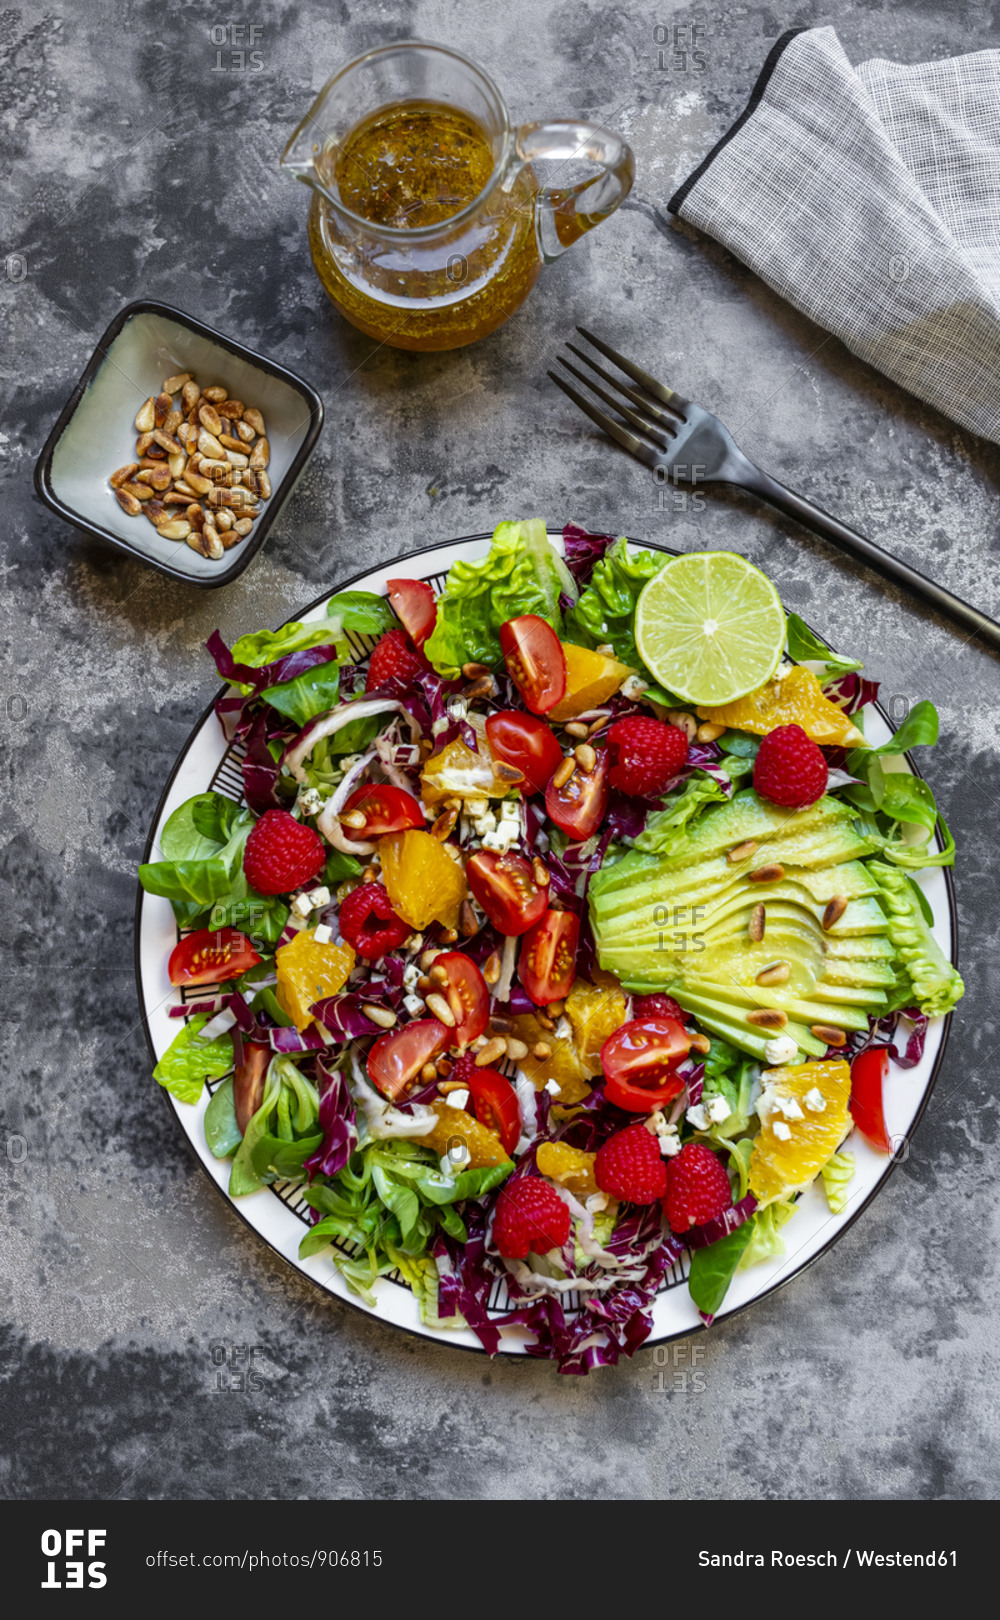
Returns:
<point x="664" y="430"/>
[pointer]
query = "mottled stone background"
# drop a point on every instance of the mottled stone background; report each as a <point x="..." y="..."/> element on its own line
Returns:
<point x="133" y="169"/>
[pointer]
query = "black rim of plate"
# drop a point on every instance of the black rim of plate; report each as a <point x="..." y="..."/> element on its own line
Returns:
<point x="427" y="1333"/>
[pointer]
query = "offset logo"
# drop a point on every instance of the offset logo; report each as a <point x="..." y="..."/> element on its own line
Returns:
<point x="64" y="1569"/>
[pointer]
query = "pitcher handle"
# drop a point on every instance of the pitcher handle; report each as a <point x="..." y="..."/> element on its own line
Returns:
<point x="563" y="214"/>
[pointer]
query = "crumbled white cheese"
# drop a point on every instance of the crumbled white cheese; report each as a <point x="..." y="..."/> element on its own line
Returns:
<point x="319" y="897"/>
<point x="632" y="687"/>
<point x="504" y="838"/>
<point x="815" y="1101"/>
<point x="413" y="944"/>
<point x="309" y="801"/>
<point x="485" y="824"/>
<point x="414" y="1006"/>
<point x="411" y="974"/>
<point x="718" y="1110"/>
<point x="782" y="1049"/>
<point x="322" y="934"/>
<point x="457" y="708"/>
<point x="477" y="806"/>
<point x="658" y="1123"/>
<point x="457" y="1099"/>
<point x="301" y="905"/>
<point x="347" y="761"/>
<point x="595" y="1203"/>
<point x="697" y="1117"/>
<point x="669" y="1145"/>
<point x="783" y="669"/>
<point x="781" y="1130"/>
<point x="437" y="726"/>
<point x="790" y="1108"/>
<point x="553" y="1088"/>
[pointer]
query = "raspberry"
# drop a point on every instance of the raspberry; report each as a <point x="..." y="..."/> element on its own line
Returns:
<point x="790" y="769"/>
<point x="529" y="1215"/>
<point x="394" y="658"/>
<point x="698" y="1188"/>
<point x="647" y="753"/>
<point x="281" y="853"/>
<point x="658" y="1006"/>
<point x="368" y="922"/>
<point x="629" y="1166"/>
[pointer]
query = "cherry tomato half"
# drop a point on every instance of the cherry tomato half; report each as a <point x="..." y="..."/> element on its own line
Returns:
<point x="495" y="1102"/>
<point x="640" y="1062"/>
<point x="386" y="809"/>
<point x="506" y="889"/>
<point x="415" y="606"/>
<point x="397" y="1058"/>
<point x="535" y="661"/>
<point x="248" y="1081"/>
<point x="525" y="741"/>
<point x="580" y="805"/>
<point x="547" y="962"/>
<point x="868" y="1073"/>
<point x="464" y="989"/>
<point x="210" y="955"/>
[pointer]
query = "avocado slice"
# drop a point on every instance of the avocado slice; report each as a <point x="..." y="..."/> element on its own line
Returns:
<point x="683" y="924"/>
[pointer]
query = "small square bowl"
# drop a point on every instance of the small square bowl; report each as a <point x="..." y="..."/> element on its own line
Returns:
<point x="95" y="434"/>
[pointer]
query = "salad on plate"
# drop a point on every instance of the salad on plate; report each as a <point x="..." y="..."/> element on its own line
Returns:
<point x="564" y="936"/>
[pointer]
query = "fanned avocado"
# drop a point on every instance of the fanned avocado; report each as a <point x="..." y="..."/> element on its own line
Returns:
<point x="683" y="924"/>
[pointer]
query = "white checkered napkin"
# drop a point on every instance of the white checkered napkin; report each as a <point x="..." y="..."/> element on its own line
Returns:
<point x="869" y="197"/>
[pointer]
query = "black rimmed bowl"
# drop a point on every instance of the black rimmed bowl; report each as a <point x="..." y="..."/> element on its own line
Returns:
<point x="95" y="434"/>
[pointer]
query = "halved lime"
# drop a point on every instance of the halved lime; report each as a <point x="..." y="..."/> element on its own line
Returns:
<point x="710" y="627"/>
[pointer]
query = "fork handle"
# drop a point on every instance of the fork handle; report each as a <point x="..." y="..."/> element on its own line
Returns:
<point x="813" y="517"/>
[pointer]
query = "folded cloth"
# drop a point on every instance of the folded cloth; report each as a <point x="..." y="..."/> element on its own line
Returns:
<point x="869" y="197"/>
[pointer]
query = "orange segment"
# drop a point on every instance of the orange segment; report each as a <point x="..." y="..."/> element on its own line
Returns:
<point x="424" y="883"/>
<point x="595" y="1011"/>
<point x="590" y="679"/>
<point x="308" y="971"/>
<point x="796" y="700"/>
<point x="459" y="773"/>
<point x="570" y="1166"/>
<point x="563" y="1064"/>
<point x="795" y="1140"/>
<point x="484" y="1146"/>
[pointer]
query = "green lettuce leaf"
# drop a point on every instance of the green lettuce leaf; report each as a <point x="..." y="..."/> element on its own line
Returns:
<point x="926" y="979"/>
<point x="805" y="648"/>
<point x="222" y="1134"/>
<point x="713" y="1269"/>
<point x="765" y="1242"/>
<point x="665" y="833"/>
<point x="204" y="879"/>
<point x="605" y="613"/>
<point x="363" y="612"/>
<point x="308" y="694"/>
<point x="267" y="646"/>
<point x="188" y="1062"/>
<point x="523" y="573"/>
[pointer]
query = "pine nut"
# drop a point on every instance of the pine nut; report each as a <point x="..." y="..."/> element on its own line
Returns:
<point x="123" y="475"/>
<point x="167" y="442"/>
<point x="263" y="486"/>
<point x="829" y="1033"/>
<point x="233" y="408"/>
<point x="468" y="923"/>
<point x="353" y="818"/>
<point x="742" y="852"/>
<point x="685" y="722"/>
<point x="700" y="1043"/>
<point x="585" y="757"/>
<point x="758" y="923"/>
<point x="491" y="1053"/>
<point x="145" y="420"/>
<point x="444" y="824"/>
<point x="215" y="393"/>
<point x="541" y="1049"/>
<point x="189" y="395"/>
<point x="384" y="1017"/>
<point x="446" y="1087"/>
<point x="428" y="1072"/>
<point x="774" y="973"/>
<point x="773" y="873"/>
<point x="708" y="732"/>
<point x="576" y="728"/>
<point x="516" y="1050"/>
<point x="438" y="1006"/>
<point x="540" y="873"/>
<point x="439" y="974"/>
<point x="555" y="1009"/>
<point x="834" y="911"/>
<point x="424" y="984"/>
<point x="768" y="1017"/>
<point x="369" y="874"/>
<point x="142" y="492"/>
<point x="254" y="419"/>
<point x="173" y="385"/>
<point x="491" y="968"/>
<point x="484" y="687"/>
<point x="210" y="420"/>
<point x="449" y="936"/>
<point x="128" y="503"/>
<point x="564" y="772"/>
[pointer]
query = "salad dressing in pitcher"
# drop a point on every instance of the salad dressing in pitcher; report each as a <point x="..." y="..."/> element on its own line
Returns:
<point x="428" y="226"/>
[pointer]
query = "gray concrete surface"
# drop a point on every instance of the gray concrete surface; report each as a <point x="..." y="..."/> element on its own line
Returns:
<point x="133" y="169"/>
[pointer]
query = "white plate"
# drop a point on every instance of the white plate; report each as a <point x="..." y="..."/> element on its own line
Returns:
<point x="207" y="762"/>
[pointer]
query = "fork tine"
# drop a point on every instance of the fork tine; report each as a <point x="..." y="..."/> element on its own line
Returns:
<point x="628" y="441"/>
<point x="637" y="421"/>
<point x="667" y="422"/>
<point x="666" y="396"/>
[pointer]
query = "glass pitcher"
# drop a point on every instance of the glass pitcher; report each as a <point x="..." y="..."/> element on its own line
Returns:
<point x="428" y="226"/>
